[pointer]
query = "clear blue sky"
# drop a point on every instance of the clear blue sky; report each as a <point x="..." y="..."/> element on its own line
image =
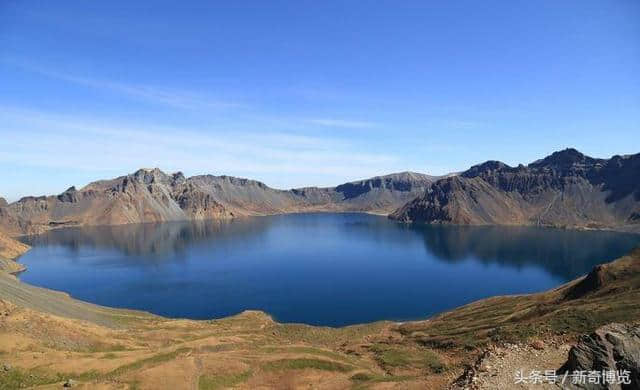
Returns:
<point x="298" y="93"/>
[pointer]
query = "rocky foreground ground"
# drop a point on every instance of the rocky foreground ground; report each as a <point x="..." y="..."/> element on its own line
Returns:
<point x="49" y="341"/>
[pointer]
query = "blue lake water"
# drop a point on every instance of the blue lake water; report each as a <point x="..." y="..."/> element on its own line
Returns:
<point x="324" y="269"/>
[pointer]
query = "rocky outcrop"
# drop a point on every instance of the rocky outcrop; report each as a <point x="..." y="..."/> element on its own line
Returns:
<point x="150" y="195"/>
<point x="594" y="281"/>
<point x="614" y="347"/>
<point x="605" y="278"/>
<point x="565" y="189"/>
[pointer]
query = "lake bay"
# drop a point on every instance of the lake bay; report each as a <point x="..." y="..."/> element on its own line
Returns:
<point x="321" y="269"/>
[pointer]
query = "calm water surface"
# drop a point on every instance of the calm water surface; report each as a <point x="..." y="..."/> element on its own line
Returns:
<point x="325" y="269"/>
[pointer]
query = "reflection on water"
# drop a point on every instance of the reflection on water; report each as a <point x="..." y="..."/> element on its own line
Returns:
<point x="564" y="253"/>
<point x="331" y="269"/>
<point x="152" y="241"/>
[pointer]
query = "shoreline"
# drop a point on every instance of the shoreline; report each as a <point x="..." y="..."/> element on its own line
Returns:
<point x="49" y="338"/>
<point x="13" y="268"/>
<point x="630" y="229"/>
<point x="10" y="250"/>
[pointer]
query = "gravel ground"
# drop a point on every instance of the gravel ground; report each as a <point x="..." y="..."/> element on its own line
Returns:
<point x="499" y="367"/>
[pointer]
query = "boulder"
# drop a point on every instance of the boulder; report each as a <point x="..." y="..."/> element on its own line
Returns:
<point x="613" y="347"/>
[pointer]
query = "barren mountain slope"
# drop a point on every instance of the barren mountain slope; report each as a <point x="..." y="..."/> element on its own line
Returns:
<point x="150" y="195"/>
<point x="566" y="189"/>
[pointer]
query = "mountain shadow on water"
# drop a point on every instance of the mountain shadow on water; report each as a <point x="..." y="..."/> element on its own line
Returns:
<point x="565" y="254"/>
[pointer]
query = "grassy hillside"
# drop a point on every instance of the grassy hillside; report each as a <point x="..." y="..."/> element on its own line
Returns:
<point x="609" y="293"/>
<point x="47" y="338"/>
<point x="10" y="249"/>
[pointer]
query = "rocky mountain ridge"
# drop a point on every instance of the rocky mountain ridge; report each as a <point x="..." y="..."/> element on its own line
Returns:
<point x="151" y="195"/>
<point x="565" y="189"/>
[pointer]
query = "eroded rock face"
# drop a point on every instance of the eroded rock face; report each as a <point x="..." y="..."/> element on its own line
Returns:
<point x="612" y="347"/>
<point x="150" y="195"/>
<point x="69" y="196"/>
<point x="3" y="202"/>
<point x="593" y="281"/>
<point x="565" y="189"/>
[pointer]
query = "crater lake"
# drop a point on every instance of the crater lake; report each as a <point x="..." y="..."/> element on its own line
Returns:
<point x="321" y="269"/>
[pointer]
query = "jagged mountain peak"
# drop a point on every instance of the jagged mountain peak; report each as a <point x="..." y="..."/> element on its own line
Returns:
<point x="151" y="175"/>
<point x="70" y="195"/>
<point x="401" y="181"/>
<point x="178" y="178"/>
<point x="148" y="170"/>
<point x="487" y="166"/>
<point x="566" y="188"/>
<point x="151" y="195"/>
<point x="563" y="159"/>
<point x="405" y="176"/>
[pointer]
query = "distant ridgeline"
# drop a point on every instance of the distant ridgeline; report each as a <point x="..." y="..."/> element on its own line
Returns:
<point x="566" y="189"/>
<point x="150" y="195"/>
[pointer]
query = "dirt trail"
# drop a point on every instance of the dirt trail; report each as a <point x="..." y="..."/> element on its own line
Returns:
<point x="502" y="365"/>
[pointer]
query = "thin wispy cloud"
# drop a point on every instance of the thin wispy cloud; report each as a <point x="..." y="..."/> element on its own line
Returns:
<point x="349" y="124"/>
<point x="42" y="139"/>
<point x="171" y="97"/>
<point x="460" y="124"/>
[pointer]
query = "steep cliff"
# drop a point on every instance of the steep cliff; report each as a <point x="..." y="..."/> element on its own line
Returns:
<point x="565" y="189"/>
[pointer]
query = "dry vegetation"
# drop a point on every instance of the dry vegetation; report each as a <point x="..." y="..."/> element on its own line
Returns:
<point x="47" y="339"/>
<point x="610" y="293"/>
